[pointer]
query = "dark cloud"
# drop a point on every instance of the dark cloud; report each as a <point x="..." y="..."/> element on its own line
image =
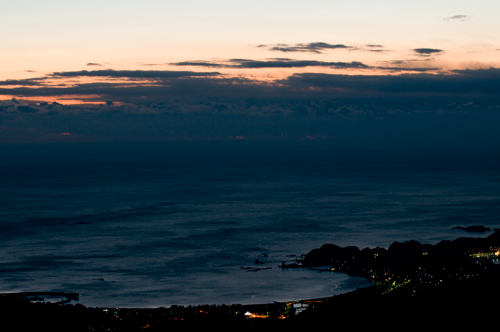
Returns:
<point x="150" y="91"/>
<point x="30" y="71"/>
<point x="480" y="74"/>
<point x="27" y="109"/>
<point x="199" y="63"/>
<point x="191" y="94"/>
<point x="427" y="51"/>
<point x="272" y="63"/>
<point x="461" y="18"/>
<point x="26" y="82"/>
<point x="133" y="73"/>
<point x="347" y="123"/>
<point x="456" y="110"/>
<point x="480" y="83"/>
<point x="94" y="64"/>
<point x="316" y="47"/>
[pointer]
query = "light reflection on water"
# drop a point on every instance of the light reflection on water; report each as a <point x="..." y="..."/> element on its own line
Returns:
<point x="157" y="233"/>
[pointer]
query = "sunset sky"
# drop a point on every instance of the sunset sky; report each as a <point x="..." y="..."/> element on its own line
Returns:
<point x="358" y="72"/>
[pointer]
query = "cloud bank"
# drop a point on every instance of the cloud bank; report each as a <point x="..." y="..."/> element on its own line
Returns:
<point x="147" y="87"/>
<point x="451" y="109"/>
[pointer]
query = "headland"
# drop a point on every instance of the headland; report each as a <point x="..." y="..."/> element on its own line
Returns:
<point x="450" y="284"/>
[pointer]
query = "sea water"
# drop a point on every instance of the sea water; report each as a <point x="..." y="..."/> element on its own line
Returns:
<point x="158" y="224"/>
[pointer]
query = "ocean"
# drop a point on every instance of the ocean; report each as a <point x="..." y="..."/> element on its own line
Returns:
<point x="180" y="223"/>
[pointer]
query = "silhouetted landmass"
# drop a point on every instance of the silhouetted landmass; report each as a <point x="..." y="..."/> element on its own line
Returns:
<point x="474" y="229"/>
<point x="453" y="284"/>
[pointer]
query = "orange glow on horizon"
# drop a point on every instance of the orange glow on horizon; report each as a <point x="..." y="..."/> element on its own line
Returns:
<point x="378" y="64"/>
<point x="63" y="100"/>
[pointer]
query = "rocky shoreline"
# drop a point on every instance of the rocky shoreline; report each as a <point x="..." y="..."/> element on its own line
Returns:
<point x="408" y="261"/>
<point x="450" y="282"/>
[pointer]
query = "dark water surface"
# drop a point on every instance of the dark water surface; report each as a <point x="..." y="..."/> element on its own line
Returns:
<point x="156" y="224"/>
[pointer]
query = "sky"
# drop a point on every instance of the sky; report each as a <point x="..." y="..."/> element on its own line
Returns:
<point x="357" y="73"/>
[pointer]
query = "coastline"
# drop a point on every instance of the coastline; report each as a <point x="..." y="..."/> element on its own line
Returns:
<point x="431" y="279"/>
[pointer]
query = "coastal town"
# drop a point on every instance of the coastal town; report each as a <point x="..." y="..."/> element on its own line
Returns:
<point x="410" y="280"/>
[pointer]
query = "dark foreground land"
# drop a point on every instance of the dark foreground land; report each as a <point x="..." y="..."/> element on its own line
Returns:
<point x="453" y="284"/>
